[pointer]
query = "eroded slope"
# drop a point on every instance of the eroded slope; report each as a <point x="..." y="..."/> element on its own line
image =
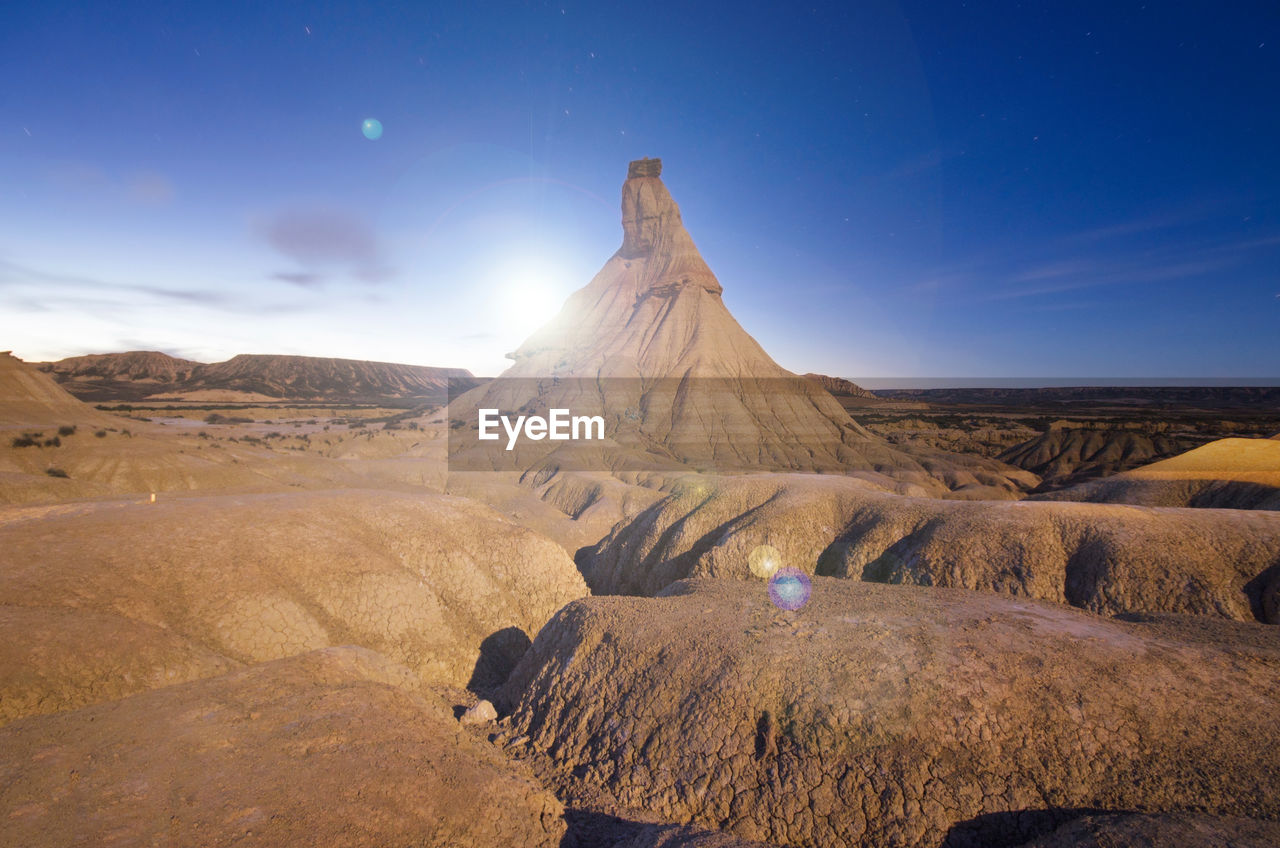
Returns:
<point x="188" y="587"/>
<point x="888" y="715"/>
<point x="1105" y="558"/>
<point x="336" y="748"/>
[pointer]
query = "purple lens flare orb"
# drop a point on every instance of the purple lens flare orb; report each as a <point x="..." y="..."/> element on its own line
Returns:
<point x="789" y="589"/>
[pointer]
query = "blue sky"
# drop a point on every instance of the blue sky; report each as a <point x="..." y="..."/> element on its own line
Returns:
<point x="884" y="189"/>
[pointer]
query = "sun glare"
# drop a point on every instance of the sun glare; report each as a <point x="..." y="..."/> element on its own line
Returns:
<point x="530" y="293"/>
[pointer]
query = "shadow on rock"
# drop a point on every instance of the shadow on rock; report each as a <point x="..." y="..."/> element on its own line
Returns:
<point x="602" y="830"/>
<point x="499" y="653"/>
<point x="1012" y="827"/>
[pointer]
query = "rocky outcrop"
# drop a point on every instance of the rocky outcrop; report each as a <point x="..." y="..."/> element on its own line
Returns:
<point x="1224" y="474"/>
<point x="650" y="347"/>
<point x="337" y="748"/>
<point x="101" y="603"/>
<point x="29" y="398"/>
<point x="1104" y="558"/>
<point x="890" y="715"/>
<point x="1062" y="456"/>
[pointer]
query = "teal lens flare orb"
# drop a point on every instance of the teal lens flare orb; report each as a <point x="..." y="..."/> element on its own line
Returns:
<point x="372" y="129"/>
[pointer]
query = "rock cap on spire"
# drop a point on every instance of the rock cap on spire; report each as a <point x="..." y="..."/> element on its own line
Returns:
<point x="645" y="167"/>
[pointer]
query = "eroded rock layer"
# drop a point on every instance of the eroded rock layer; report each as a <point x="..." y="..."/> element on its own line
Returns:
<point x="101" y="603"/>
<point x="336" y="748"/>
<point x="650" y="346"/>
<point x="890" y="715"/>
<point x="1105" y="558"/>
<point x="1223" y="474"/>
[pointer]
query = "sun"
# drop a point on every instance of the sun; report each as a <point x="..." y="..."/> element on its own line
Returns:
<point x="530" y="293"/>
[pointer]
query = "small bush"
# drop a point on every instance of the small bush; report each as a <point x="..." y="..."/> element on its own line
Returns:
<point x="101" y="434"/>
<point x="219" y="418"/>
<point x="67" y="430"/>
<point x="53" y="442"/>
<point x="56" y="472"/>
<point x="24" y="441"/>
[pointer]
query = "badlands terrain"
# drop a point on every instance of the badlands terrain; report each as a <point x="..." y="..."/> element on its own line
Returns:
<point x="288" y="601"/>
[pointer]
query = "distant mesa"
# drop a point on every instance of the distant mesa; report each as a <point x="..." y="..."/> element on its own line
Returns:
<point x="135" y="365"/>
<point x="137" y="375"/>
<point x="840" y="387"/>
<point x="1125" y="398"/>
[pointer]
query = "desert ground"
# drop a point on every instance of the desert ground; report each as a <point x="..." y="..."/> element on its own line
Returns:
<point x="284" y="601"/>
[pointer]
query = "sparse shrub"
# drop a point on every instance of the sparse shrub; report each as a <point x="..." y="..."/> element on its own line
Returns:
<point x="203" y="435"/>
<point x="219" y="418"/>
<point x="101" y="434"/>
<point x="24" y="441"/>
<point x="56" y="472"/>
<point x="67" y="430"/>
<point x="53" y="442"/>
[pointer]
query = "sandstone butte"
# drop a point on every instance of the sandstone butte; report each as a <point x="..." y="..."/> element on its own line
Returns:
<point x="649" y="344"/>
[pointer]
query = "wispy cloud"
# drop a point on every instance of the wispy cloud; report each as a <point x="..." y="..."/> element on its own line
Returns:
<point x="150" y="187"/>
<point x="325" y="241"/>
<point x="146" y="187"/>
<point x="30" y="289"/>
<point x="305" y="279"/>
<point x="1106" y="272"/>
<point x="1054" y="268"/>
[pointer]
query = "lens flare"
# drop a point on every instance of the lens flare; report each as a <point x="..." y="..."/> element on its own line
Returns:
<point x="372" y="129"/>
<point x="789" y="589"/>
<point x="764" y="561"/>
